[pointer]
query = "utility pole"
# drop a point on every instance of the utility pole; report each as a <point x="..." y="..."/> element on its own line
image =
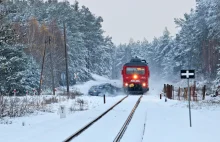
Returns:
<point x="52" y="73"/>
<point x="42" y="69"/>
<point x="67" y="71"/>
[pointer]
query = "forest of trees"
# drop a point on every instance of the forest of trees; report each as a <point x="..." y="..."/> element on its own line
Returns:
<point x="196" y="46"/>
<point x="30" y="28"/>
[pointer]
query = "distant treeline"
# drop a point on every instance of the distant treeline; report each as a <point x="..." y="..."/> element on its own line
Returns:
<point x="196" y="46"/>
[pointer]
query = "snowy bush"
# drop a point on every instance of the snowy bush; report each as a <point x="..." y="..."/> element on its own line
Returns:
<point x="20" y="106"/>
<point x="72" y="94"/>
<point x="211" y="103"/>
<point x="79" y="105"/>
<point x="208" y="104"/>
<point x="51" y="100"/>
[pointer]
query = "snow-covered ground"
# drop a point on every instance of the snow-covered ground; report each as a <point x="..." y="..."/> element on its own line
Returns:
<point x="169" y="122"/>
<point x="164" y="121"/>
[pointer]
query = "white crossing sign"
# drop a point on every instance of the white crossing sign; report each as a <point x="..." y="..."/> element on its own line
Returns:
<point x="187" y="74"/>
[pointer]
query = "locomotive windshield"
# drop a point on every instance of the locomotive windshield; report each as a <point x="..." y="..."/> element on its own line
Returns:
<point x="133" y="70"/>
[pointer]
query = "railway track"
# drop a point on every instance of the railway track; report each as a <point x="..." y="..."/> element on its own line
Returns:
<point x="124" y="127"/>
<point x="122" y="130"/>
<point x="92" y="122"/>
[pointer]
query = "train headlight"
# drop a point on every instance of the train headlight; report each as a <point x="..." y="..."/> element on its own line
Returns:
<point x="144" y="84"/>
<point x="126" y="84"/>
<point x="135" y="76"/>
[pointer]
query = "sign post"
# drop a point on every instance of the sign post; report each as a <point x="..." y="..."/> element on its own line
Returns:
<point x="14" y="92"/>
<point x="34" y="91"/>
<point x="188" y="74"/>
<point x="75" y="75"/>
<point x="62" y="111"/>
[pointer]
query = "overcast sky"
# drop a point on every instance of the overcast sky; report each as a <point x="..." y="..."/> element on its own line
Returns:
<point x="125" y="19"/>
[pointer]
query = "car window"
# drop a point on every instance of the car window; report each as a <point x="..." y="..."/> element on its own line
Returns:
<point x="100" y="87"/>
<point x="108" y="87"/>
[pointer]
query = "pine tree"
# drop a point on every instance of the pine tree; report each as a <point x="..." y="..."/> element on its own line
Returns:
<point x="14" y="69"/>
<point x="31" y="76"/>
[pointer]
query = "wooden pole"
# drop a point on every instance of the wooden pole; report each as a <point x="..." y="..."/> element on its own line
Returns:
<point x="185" y="94"/>
<point x="51" y="63"/>
<point x="179" y="93"/>
<point x="170" y="92"/>
<point x="194" y="97"/>
<point x="66" y="59"/>
<point x="42" y="69"/>
<point x="203" y="94"/>
<point x="164" y="88"/>
<point x="195" y="90"/>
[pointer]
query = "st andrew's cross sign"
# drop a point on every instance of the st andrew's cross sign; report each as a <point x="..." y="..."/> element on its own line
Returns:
<point x="187" y="74"/>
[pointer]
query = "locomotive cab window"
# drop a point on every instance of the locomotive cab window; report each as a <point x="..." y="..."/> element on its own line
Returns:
<point x="131" y="70"/>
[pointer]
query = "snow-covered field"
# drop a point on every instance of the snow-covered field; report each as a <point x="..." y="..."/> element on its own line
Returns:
<point x="49" y="127"/>
<point x="169" y="122"/>
<point x="164" y="121"/>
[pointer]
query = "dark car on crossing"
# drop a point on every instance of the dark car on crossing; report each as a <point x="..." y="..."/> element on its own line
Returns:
<point x="106" y="88"/>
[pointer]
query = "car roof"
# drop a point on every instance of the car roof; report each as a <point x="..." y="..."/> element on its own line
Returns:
<point x="104" y="84"/>
<point x="97" y="86"/>
<point x="94" y="86"/>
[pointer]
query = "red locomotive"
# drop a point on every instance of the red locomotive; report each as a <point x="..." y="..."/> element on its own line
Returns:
<point x="135" y="76"/>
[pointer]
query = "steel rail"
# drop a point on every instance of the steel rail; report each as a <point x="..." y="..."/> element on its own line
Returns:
<point x="92" y="122"/>
<point x="124" y="127"/>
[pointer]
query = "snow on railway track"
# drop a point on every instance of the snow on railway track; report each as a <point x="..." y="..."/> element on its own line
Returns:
<point x="136" y="128"/>
<point x="124" y="127"/>
<point x="109" y="125"/>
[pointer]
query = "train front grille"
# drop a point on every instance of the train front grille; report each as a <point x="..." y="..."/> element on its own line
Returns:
<point x="135" y="87"/>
